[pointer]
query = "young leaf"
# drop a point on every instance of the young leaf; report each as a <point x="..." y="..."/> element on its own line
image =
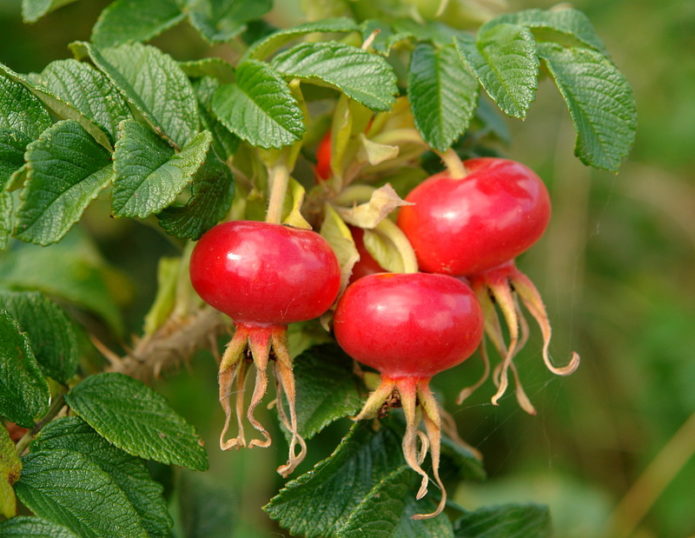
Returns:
<point x="134" y="20"/>
<point x="443" y="94"/>
<point x="10" y="468"/>
<point x="33" y="527"/>
<point x="129" y="473"/>
<point x="148" y="173"/>
<point x="12" y="146"/>
<point x="274" y="41"/>
<point x="386" y="512"/>
<point x="505" y="521"/>
<point x="326" y="388"/>
<point x="23" y="390"/>
<point x="209" y="67"/>
<point x="366" y="78"/>
<point x="67" y="169"/>
<point x="153" y="83"/>
<point x="600" y="102"/>
<point x="335" y="231"/>
<point x="88" y="90"/>
<point x="50" y="331"/>
<point x="69" y="489"/>
<point x="566" y="22"/>
<point x="137" y="420"/>
<point x="504" y="58"/>
<point x="292" y="212"/>
<point x="259" y="107"/>
<point x="221" y="20"/>
<point x="20" y="110"/>
<point x="211" y="195"/>
<point x="33" y="10"/>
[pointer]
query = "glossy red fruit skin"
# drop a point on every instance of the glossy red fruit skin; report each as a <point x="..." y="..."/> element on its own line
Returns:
<point x="408" y="325"/>
<point x="366" y="265"/>
<point x="265" y="274"/>
<point x="469" y="225"/>
<point x="323" y="158"/>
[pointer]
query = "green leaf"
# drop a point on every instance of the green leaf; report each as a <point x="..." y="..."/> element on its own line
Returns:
<point x="10" y="469"/>
<point x="335" y="231"/>
<point x="20" y="110"/>
<point x="492" y="121"/>
<point x="71" y="270"/>
<point x="600" y="101"/>
<point x="565" y="22"/>
<point x="224" y="142"/>
<point x="221" y="20"/>
<point x="137" y="420"/>
<point x="211" y="196"/>
<point x="12" y="146"/>
<point x="386" y="512"/>
<point x="148" y="173"/>
<point x="68" y="488"/>
<point x="129" y="473"/>
<point x="364" y="77"/>
<point x="6" y="218"/>
<point x="443" y="94"/>
<point x="505" y="521"/>
<point x="133" y="20"/>
<point x="320" y="502"/>
<point x="209" y="67"/>
<point x="259" y="107"/>
<point x="504" y="58"/>
<point x="34" y="527"/>
<point x="50" y="331"/>
<point x="33" y="10"/>
<point x="88" y="90"/>
<point x="326" y="388"/>
<point x="266" y="46"/>
<point x="24" y="392"/>
<point x="153" y="83"/>
<point x="67" y="170"/>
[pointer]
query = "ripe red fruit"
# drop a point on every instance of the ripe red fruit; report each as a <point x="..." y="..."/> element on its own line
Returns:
<point x="409" y="327"/>
<point x="366" y="265"/>
<point x="323" y="158"/>
<point x="263" y="276"/>
<point x="475" y="226"/>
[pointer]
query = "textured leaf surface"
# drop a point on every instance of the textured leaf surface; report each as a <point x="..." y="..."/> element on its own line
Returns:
<point x="504" y="59"/>
<point x="34" y="527"/>
<point x="443" y="94"/>
<point x="137" y="420"/>
<point x="12" y="146"/>
<point x="153" y="83"/>
<point x="68" y="488"/>
<point x="129" y="473"/>
<point x="33" y="10"/>
<point x="221" y="20"/>
<point x="505" y="521"/>
<point x="10" y="468"/>
<point x="50" y="331"/>
<point x="6" y="218"/>
<point x="326" y="388"/>
<point x="264" y="47"/>
<point x="259" y="107"/>
<point x="67" y="169"/>
<point x="209" y="67"/>
<point x="148" y="173"/>
<point x="366" y="78"/>
<point x="88" y="90"/>
<point x="211" y="195"/>
<point x="224" y="142"/>
<point x="600" y="102"/>
<point x="20" y="110"/>
<point x="23" y="390"/>
<point x="134" y="20"/>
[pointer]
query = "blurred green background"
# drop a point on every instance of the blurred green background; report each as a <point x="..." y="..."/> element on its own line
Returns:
<point x="611" y="449"/>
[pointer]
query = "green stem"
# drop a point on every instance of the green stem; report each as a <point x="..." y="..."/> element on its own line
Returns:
<point x="453" y="163"/>
<point x="279" y="178"/>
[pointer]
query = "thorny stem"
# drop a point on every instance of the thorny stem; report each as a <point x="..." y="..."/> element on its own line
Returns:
<point x="279" y="178"/>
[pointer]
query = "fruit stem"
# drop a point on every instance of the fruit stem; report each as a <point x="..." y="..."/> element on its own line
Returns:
<point x="453" y="163"/>
<point x="279" y="179"/>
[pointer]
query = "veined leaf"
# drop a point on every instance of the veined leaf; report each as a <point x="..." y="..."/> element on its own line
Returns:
<point x="274" y="41"/>
<point x="129" y="473"/>
<point x="68" y="488"/>
<point x="148" y="173"/>
<point x="133" y="20"/>
<point x="88" y="90"/>
<point x="50" y="331"/>
<point x="504" y="59"/>
<point x="259" y="107"/>
<point x="600" y="101"/>
<point x="505" y="521"/>
<point x="12" y="146"/>
<point x="6" y="217"/>
<point x="20" y="110"/>
<point x="33" y="10"/>
<point x="221" y="20"/>
<point x="443" y="94"/>
<point x="209" y="67"/>
<point x="10" y="468"/>
<point x="366" y="78"/>
<point x="67" y="169"/>
<point x="34" y="527"/>
<point x="224" y="142"/>
<point x="137" y="420"/>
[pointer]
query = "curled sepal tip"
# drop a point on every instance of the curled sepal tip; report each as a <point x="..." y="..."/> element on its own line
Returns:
<point x="263" y="343"/>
